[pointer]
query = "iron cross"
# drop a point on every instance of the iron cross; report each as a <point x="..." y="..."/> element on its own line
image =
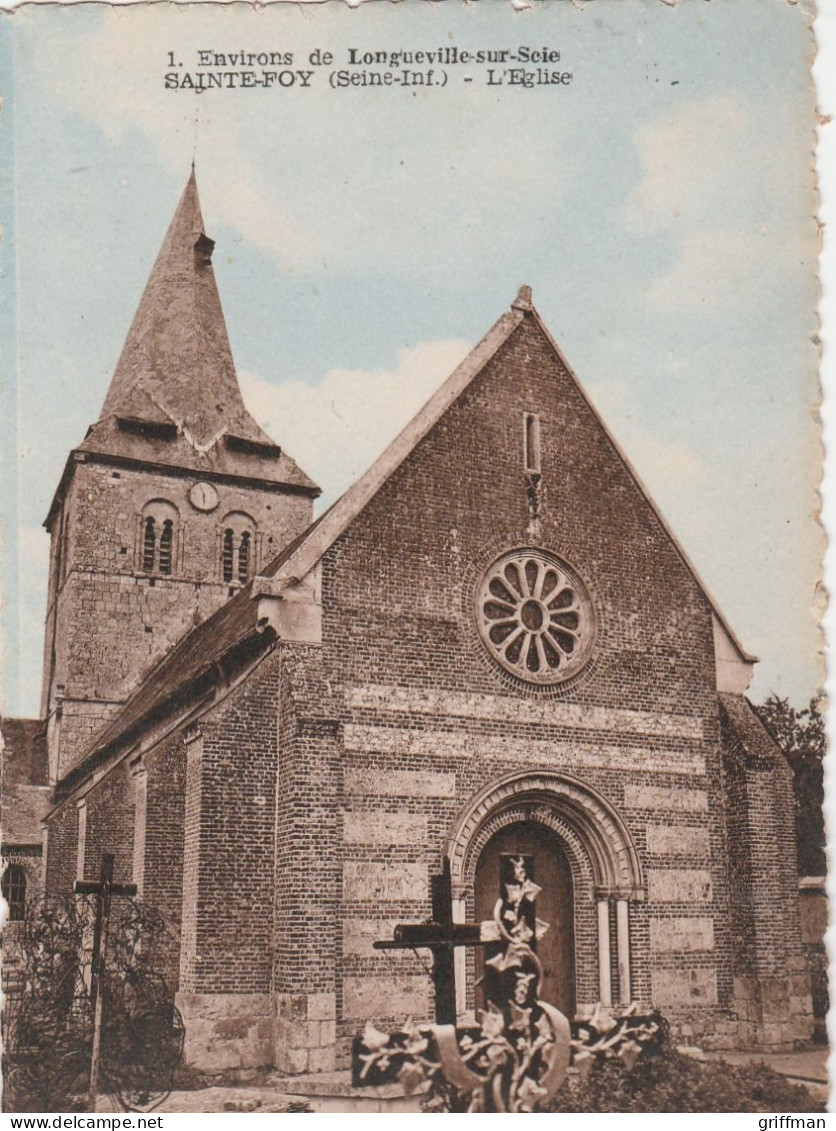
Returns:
<point x="440" y="936"/>
<point x="103" y="889"/>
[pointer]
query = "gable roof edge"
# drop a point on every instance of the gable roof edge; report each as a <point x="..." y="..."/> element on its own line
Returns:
<point x="748" y="657"/>
<point x="323" y="533"/>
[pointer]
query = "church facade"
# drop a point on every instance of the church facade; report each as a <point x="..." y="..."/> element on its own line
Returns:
<point x="491" y="646"/>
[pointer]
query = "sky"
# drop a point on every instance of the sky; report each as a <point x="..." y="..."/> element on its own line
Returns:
<point x="661" y="205"/>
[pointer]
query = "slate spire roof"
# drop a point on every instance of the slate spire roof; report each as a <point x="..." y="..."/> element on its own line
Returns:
<point x="174" y="400"/>
<point x="176" y="364"/>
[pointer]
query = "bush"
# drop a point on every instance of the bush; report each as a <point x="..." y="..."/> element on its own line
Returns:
<point x="664" y="1080"/>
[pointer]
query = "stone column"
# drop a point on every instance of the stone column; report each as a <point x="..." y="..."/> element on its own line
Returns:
<point x="460" y="959"/>
<point x="81" y="844"/>
<point x="139" y="776"/>
<point x="191" y="861"/>
<point x="604" y="980"/>
<point x="622" y="926"/>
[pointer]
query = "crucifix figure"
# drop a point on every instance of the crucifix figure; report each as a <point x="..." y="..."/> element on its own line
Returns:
<point x="440" y="936"/>
<point x="103" y="890"/>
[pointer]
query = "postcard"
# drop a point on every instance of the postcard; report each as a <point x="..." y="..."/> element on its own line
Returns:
<point x="412" y="570"/>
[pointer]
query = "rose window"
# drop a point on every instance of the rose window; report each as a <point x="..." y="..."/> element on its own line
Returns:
<point x="534" y="617"/>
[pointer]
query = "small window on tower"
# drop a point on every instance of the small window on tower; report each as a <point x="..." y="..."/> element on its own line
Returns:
<point x="14" y="891"/>
<point x="238" y="548"/>
<point x="532" y="442"/>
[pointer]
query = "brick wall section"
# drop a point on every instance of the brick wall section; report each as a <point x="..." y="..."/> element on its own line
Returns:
<point x="308" y="830"/>
<point x="110" y="825"/>
<point x="61" y="850"/>
<point x="763" y="856"/>
<point x="230" y="816"/>
<point x="113" y="620"/>
<point x="164" y="830"/>
<point x="772" y="986"/>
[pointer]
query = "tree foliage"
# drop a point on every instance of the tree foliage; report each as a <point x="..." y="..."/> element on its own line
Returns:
<point x="801" y="736"/>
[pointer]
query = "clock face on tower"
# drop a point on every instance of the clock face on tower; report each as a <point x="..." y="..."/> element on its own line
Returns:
<point x="203" y="497"/>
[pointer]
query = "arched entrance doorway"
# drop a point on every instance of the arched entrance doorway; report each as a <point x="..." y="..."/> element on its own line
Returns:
<point x="547" y="865"/>
<point x="554" y="810"/>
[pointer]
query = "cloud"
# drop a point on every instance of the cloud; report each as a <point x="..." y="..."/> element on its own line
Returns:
<point x="693" y="163"/>
<point x="720" y="270"/>
<point x="667" y="467"/>
<point x="731" y="246"/>
<point x="337" y="428"/>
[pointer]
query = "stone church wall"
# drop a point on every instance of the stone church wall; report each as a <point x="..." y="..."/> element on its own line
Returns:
<point x="300" y="818"/>
<point x="228" y="875"/>
<point x="427" y="719"/>
<point x="771" y="981"/>
<point x="114" y="619"/>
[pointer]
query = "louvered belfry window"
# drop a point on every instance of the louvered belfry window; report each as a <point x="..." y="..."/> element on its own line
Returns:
<point x="244" y="557"/>
<point x="228" y="554"/>
<point x="166" y="541"/>
<point x="238" y="548"/>
<point x="149" y="545"/>
<point x="158" y="538"/>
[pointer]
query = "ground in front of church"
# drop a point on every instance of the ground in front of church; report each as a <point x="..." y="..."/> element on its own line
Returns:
<point x="332" y="1092"/>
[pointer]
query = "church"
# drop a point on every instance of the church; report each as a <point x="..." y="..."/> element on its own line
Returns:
<point x="492" y="645"/>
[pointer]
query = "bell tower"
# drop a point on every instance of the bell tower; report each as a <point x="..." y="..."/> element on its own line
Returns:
<point x="171" y="503"/>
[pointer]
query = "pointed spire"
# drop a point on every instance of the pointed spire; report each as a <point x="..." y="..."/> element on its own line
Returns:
<point x="176" y="364"/>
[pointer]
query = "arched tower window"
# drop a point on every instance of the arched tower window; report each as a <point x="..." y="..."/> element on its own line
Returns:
<point x="14" y="891"/>
<point x="238" y="547"/>
<point x="158" y="549"/>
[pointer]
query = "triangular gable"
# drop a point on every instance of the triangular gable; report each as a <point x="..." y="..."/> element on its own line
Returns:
<point x="300" y="558"/>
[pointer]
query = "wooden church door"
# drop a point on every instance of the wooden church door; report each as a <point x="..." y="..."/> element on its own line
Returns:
<point x="548" y="867"/>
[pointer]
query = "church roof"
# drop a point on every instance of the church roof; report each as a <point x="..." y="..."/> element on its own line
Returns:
<point x="231" y="624"/>
<point x="176" y="364"/>
<point x="297" y="559"/>
<point x="755" y="739"/>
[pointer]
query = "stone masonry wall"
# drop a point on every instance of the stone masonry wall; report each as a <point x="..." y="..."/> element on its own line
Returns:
<point x="114" y="620"/>
<point x="230" y="818"/>
<point x="426" y="719"/>
<point x="771" y="981"/>
<point x="110" y="825"/>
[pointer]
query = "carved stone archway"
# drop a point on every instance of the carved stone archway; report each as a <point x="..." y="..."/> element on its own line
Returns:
<point x="604" y="861"/>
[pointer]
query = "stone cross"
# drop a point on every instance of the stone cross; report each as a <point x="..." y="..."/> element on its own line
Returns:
<point x="440" y="936"/>
<point x="103" y="890"/>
